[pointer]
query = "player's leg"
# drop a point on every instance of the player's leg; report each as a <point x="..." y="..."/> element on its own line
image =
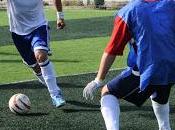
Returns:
<point x="122" y="87"/>
<point x="47" y="71"/>
<point x="110" y="109"/>
<point x="37" y="72"/>
<point x="111" y="93"/>
<point x="160" y="106"/>
<point x="23" y="46"/>
<point x="49" y="76"/>
<point x="40" y="46"/>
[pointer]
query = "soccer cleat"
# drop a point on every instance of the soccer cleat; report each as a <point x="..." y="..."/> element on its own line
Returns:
<point x="58" y="100"/>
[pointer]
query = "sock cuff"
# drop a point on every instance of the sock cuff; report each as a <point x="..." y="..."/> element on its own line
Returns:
<point x="45" y="63"/>
<point x="108" y="99"/>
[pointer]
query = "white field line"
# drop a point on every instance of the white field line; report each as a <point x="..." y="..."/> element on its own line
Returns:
<point x="78" y="74"/>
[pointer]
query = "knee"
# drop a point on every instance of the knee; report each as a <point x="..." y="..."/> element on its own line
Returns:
<point x="104" y="90"/>
<point x="41" y="56"/>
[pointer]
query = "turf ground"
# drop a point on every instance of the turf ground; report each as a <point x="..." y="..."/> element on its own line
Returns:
<point x="77" y="114"/>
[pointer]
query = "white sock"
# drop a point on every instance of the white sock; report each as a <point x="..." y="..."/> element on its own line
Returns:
<point x="40" y="78"/>
<point x="161" y="112"/>
<point x="49" y="76"/>
<point x="110" y="111"/>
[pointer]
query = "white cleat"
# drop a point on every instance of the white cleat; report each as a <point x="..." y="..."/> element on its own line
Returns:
<point x="58" y="101"/>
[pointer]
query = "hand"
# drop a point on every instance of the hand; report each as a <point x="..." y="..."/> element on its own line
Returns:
<point x="91" y="88"/>
<point x="60" y="24"/>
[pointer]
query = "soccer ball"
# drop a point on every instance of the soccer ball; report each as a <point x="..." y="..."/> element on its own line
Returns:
<point x="19" y="104"/>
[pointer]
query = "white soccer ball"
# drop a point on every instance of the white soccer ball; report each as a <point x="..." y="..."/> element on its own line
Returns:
<point x="19" y="104"/>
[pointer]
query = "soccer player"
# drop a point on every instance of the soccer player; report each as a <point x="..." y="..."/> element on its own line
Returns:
<point x="151" y="61"/>
<point x="30" y="34"/>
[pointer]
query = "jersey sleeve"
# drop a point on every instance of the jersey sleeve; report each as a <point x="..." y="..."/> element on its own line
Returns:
<point x="119" y="38"/>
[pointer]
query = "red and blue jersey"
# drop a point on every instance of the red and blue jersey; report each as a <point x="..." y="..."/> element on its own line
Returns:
<point x="151" y="23"/>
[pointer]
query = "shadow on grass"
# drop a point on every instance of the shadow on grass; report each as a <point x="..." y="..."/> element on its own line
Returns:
<point x="125" y="108"/>
<point x="75" y="29"/>
<point x="8" y="54"/>
<point x="10" y="61"/>
<point x="83" y="28"/>
<point x="80" y="107"/>
<point x="172" y="109"/>
<point x="34" y="114"/>
<point x="72" y="110"/>
<point x="34" y="85"/>
<point x="53" y="60"/>
<point x="82" y="104"/>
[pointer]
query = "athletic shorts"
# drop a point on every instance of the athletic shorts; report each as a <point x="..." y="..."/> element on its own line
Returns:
<point x="127" y="88"/>
<point x="27" y="44"/>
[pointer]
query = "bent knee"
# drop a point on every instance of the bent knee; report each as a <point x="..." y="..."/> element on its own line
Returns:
<point x="41" y="56"/>
<point x="104" y="90"/>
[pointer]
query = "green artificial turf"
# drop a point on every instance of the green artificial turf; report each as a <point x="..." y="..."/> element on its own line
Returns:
<point x="77" y="114"/>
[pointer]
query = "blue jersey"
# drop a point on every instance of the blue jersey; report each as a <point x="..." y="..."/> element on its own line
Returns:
<point x="152" y="25"/>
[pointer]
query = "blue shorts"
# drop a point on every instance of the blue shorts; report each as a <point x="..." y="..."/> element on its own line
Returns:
<point x="127" y="88"/>
<point x="27" y="44"/>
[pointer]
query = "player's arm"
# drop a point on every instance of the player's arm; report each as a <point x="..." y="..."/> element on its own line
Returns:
<point x="105" y="64"/>
<point x="60" y="14"/>
<point x="119" y="38"/>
